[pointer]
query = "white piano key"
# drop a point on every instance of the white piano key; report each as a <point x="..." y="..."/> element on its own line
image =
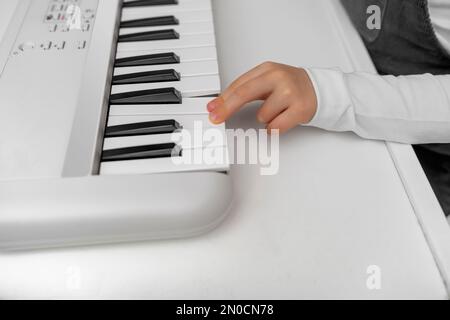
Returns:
<point x="185" y="41"/>
<point x="189" y="87"/>
<point x="189" y="106"/>
<point x="186" y="139"/>
<point x="207" y="159"/>
<point x="188" y="121"/>
<point x="154" y="11"/>
<point x="186" y="69"/>
<point x="185" y="54"/>
<point x="183" y="29"/>
<point x="183" y="17"/>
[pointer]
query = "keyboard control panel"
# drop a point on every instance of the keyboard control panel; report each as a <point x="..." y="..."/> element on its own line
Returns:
<point x="57" y="25"/>
<point x="40" y="78"/>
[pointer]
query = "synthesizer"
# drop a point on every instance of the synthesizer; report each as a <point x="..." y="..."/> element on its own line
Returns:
<point x="99" y="103"/>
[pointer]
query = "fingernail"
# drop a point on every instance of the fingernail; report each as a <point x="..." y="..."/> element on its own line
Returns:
<point x="213" y="105"/>
<point x="214" y="117"/>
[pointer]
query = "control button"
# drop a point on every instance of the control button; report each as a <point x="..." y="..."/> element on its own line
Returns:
<point x="60" y="46"/>
<point x="86" y="27"/>
<point x="65" y="28"/>
<point x="27" y="46"/>
<point x="88" y="15"/>
<point x="82" y="45"/>
<point x="47" y="45"/>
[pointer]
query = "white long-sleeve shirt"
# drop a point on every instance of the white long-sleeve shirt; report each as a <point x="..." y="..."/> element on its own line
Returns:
<point x="408" y="109"/>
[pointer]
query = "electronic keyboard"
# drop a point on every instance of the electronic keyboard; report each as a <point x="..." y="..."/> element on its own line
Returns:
<point x="102" y="103"/>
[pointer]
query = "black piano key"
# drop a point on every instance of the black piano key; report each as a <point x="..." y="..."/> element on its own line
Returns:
<point x="151" y="22"/>
<point x="154" y="96"/>
<point x="165" y="150"/>
<point x="168" y="34"/>
<point x="143" y="128"/>
<point x="147" y="77"/>
<point x="148" y="60"/>
<point x="144" y="3"/>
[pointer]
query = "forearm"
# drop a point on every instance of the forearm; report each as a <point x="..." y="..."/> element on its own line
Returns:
<point x="407" y="109"/>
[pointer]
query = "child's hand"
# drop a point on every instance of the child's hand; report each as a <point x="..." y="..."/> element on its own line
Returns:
<point x="288" y="94"/>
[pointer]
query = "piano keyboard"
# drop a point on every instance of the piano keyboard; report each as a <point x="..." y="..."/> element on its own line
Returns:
<point x="165" y="73"/>
<point x="111" y="123"/>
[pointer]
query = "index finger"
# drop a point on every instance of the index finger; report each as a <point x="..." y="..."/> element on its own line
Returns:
<point x="255" y="89"/>
<point x="249" y="75"/>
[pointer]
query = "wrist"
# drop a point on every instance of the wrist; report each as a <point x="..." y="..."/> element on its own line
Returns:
<point x="333" y="99"/>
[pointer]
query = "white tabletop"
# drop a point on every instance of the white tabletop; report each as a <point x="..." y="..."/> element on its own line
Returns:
<point x="337" y="206"/>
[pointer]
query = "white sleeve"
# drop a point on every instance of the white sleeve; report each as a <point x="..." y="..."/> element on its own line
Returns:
<point x="408" y="109"/>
